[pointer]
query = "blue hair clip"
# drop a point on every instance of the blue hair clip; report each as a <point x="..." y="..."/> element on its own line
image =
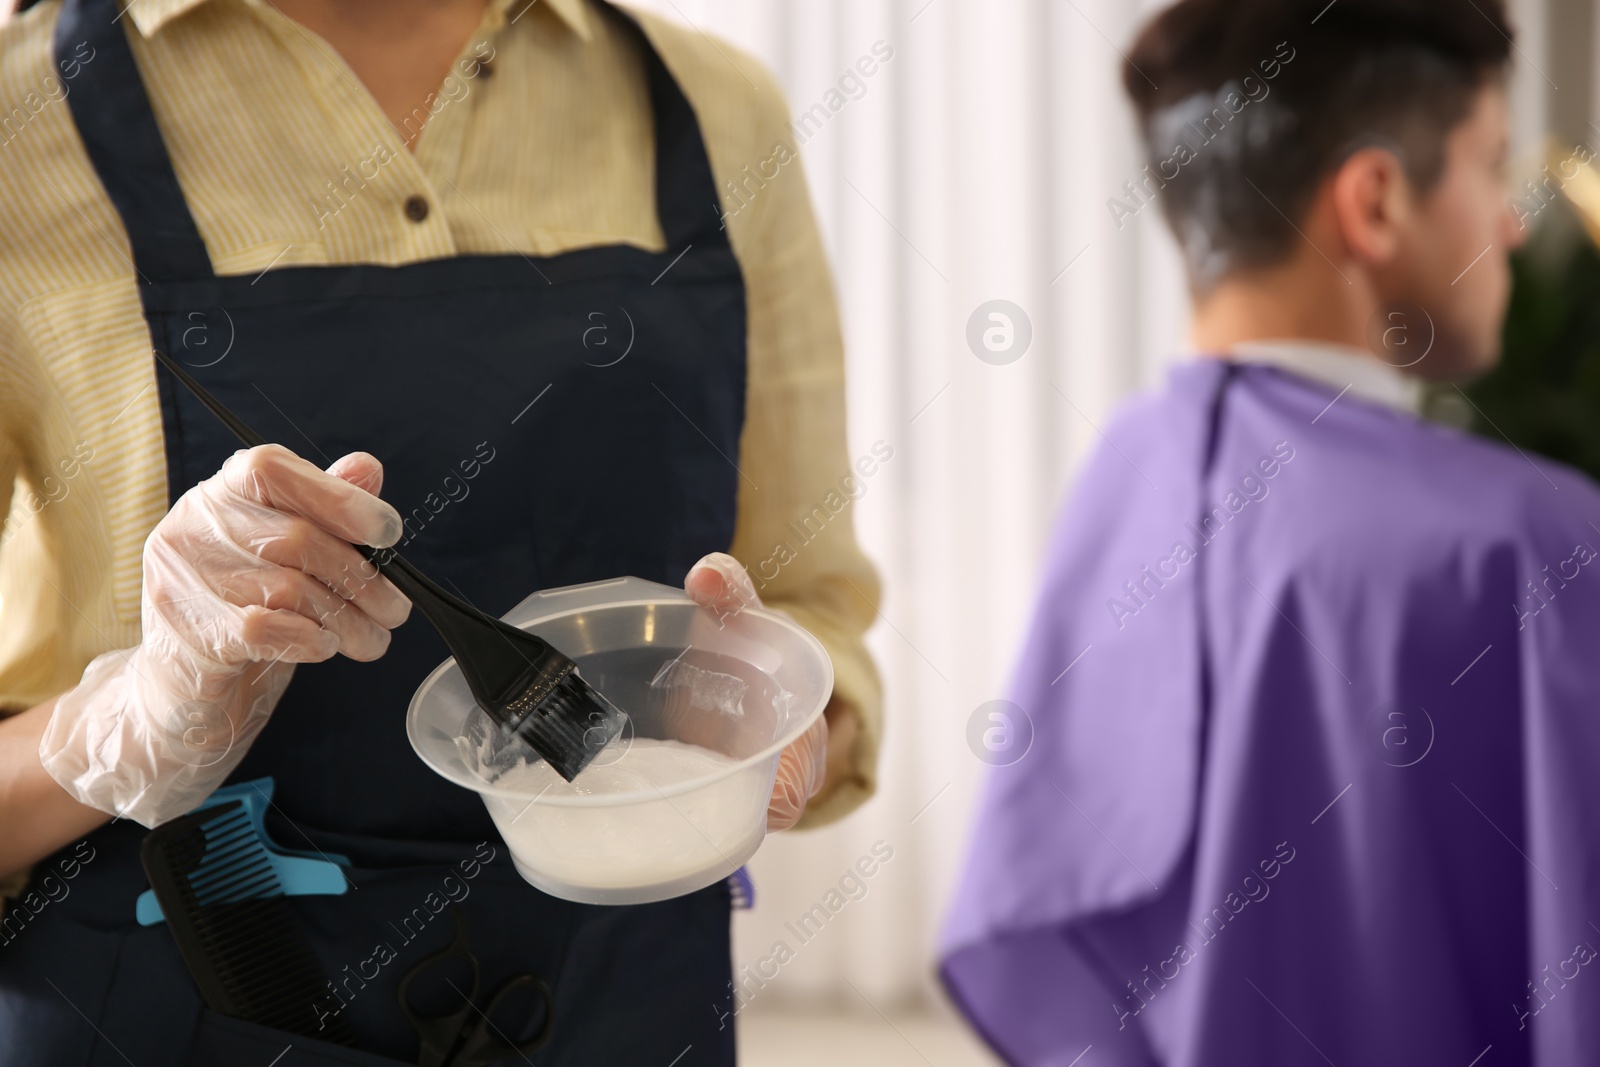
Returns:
<point x="742" y="889"/>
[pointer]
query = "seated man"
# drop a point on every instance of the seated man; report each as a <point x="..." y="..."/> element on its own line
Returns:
<point x="1314" y="684"/>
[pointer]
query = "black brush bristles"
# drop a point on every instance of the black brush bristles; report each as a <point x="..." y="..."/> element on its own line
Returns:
<point x="570" y="719"/>
<point x="525" y="685"/>
<point x="238" y="935"/>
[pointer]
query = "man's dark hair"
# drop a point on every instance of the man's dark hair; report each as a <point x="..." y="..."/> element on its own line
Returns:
<point x="1246" y="105"/>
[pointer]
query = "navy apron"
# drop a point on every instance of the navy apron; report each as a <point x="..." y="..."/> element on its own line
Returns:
<point x="522" y="459"/>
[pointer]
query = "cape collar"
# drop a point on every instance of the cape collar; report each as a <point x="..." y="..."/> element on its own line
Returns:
<point x="1342" y="367"/>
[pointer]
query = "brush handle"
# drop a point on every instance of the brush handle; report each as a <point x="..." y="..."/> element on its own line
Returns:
<point x="435" y="603"/>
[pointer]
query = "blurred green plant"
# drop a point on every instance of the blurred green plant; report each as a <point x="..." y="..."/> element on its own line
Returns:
<point x="1545" y="394"/>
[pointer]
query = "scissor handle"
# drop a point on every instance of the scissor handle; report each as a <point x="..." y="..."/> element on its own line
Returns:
<point x="484" y="1044"/>
<point x="440" y="1034"/>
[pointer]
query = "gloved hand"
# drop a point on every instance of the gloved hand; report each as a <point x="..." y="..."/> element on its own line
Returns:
<point x="250" y="573"/>
<point x="720" y="583"/>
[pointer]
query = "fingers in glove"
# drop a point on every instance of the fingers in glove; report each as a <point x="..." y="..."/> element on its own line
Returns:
<point x="290" y="541"/>
<point x="802" y="767"/>
<point x="274" y="476"/>
<point x="270" y="635"/>
<point x="719" y="583"/>
<point x="360" y="469"/>
<point x="196" y="632"/>
<point x="815" y="743"/>
<point x="287" y="589"/>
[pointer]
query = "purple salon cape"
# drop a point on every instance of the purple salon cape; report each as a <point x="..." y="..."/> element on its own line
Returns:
<point x="1314" y="772"/>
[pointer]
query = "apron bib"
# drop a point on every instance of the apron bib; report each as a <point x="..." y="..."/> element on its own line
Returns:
<point x="520" y="460"/>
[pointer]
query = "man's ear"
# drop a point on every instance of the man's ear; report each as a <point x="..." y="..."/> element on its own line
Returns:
<point x="1371" y="202"/>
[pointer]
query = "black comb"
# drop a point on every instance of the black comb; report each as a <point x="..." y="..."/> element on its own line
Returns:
<point x="526" y="685"/>
<point x="239" y="937"/>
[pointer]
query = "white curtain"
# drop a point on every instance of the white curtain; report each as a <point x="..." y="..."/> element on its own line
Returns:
<point x="975" y="165"/>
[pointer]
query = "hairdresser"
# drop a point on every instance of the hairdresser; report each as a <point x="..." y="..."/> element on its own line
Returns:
<point x="467" y="259"/>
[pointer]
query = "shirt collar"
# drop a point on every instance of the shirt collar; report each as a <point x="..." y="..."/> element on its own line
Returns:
<point x="1343" y="367"/>
<point x="573" y="13"/>
<point x="150" y="15"/>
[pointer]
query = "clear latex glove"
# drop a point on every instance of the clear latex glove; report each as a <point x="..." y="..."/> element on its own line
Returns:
<point x="720" y="583"/>
<point x="251" y="572"/>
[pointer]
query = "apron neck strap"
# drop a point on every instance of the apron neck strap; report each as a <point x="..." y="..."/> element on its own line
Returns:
<point x="112" y="111"/>
<point x="686" y="193"/>
<point x="124" y="144"/>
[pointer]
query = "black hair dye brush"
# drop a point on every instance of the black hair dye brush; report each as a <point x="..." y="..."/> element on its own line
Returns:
<point x="526" y="685"/>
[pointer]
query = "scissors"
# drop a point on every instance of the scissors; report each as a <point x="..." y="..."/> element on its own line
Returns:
<point x="466" y="1037"/>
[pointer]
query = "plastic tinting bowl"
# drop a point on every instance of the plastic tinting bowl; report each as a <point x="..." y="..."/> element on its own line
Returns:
<point x="743" y="686"/>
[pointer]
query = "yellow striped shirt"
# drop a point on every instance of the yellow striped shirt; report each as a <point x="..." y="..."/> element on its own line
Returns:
<point x="539" y="141"/>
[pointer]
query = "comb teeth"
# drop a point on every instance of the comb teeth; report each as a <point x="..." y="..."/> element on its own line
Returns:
<point x="237" y="933"/>
<point x="569" y="726"/>
<point x="231" y="864"/>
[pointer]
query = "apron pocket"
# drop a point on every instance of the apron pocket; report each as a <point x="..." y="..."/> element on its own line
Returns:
<point x="223" y="1042"/>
